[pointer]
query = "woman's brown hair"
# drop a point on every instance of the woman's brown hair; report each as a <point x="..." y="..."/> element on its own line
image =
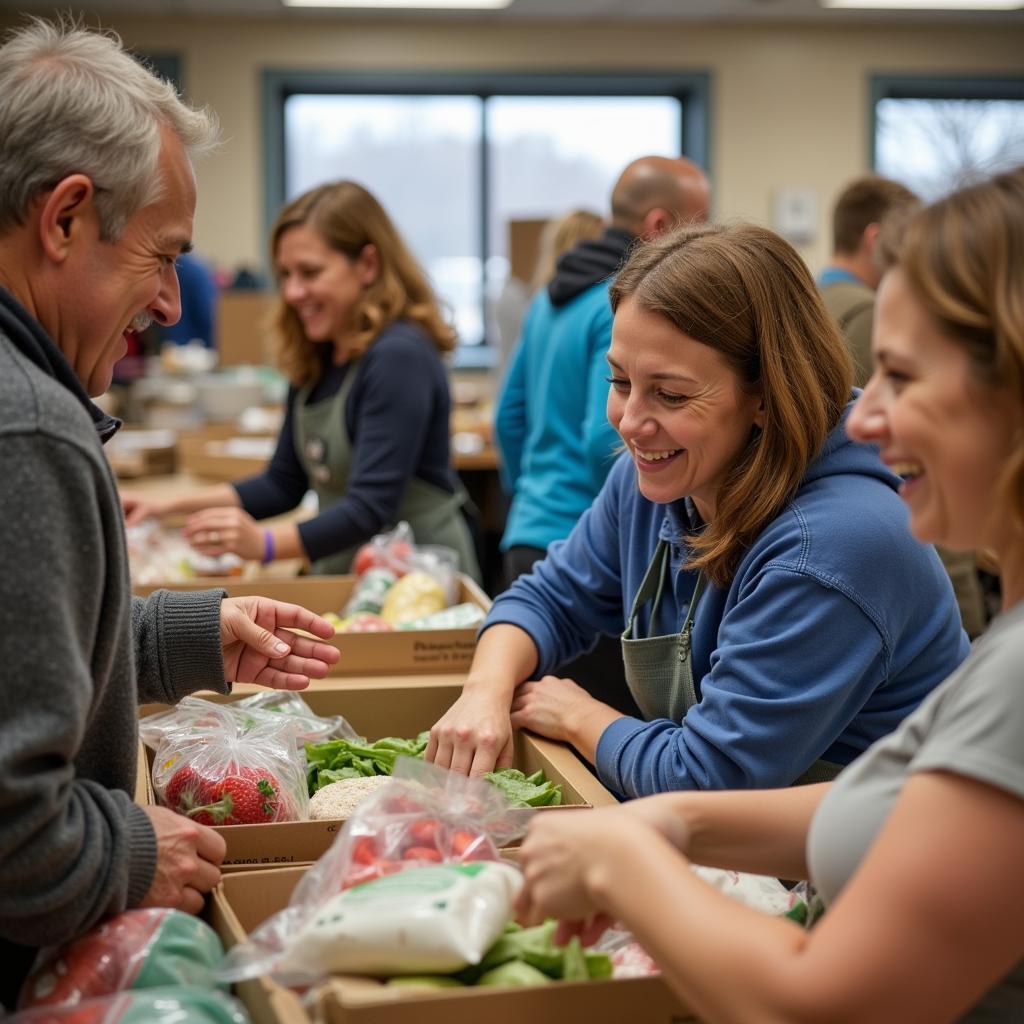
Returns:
<point x="348" y="218"/>
<point x="744" y="291"/>
<point x="963" y="257"/>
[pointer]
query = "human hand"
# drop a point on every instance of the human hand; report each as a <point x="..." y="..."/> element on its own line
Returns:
<point x="139" y="507"/>
<point x="259" y="647"/>
<point x="188" y="859"/>
<point x="566" y="861"/>
<point x="555" y="708"/>
<point x="473" y="736"/>
<point x="217" y="531"/>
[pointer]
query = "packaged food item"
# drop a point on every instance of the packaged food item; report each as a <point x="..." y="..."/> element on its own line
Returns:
<point x="459" y="616"/>
<point x="424" y="920"/>
<point x="170" y="1005"/>
<point x="240" y="768"/>
<point x="137" y="949"/>
<point x="369" y="593"/>
<point x="416" y="595"/>
<point x="425" y="816"/>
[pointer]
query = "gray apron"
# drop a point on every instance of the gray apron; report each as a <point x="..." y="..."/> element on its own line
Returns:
<point x="324" y="448"/>
<point x="659" y="669"/>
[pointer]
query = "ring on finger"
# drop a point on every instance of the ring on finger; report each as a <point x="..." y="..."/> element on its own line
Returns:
<point x="214" y="536"/>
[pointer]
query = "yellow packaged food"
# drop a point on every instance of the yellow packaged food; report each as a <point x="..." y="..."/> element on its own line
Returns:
<point x="416" y="595"/>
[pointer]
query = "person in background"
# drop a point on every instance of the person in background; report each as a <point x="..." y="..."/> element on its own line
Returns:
<point x="198" y="320"/>
<point x="361" y="339"/>
<point x="560" y="234"/>
<point x="97" y="198"/>
<point x="916" y="848"/>
<point x="775" y="615"/>
<point x="868" y="222"/>
<point x="848" y="283"/>
<point x="556" y="444"/>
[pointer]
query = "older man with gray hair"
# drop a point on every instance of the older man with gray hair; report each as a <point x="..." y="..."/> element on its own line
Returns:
<point x="97" y="197"/>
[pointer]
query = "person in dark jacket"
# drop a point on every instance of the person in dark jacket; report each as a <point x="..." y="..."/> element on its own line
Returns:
<point x="97" y="197"/>
<point x="367" y="417"/>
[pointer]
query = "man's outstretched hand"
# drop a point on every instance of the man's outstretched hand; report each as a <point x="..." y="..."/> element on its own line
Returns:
<point x="260" y="647"/>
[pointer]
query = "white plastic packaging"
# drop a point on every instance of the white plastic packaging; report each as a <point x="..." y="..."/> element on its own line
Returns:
<point x="425" y="920"/>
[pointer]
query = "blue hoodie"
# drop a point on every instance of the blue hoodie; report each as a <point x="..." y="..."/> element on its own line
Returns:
<point x="557" y="446"/>
<point x="835" y="626"/>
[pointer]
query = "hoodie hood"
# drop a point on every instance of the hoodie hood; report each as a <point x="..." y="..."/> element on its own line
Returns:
<point x="587" y="264"/>
<point x="29" y="338"/>
<point x="841" y="454"/>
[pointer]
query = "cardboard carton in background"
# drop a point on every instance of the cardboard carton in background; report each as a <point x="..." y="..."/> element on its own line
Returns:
<point x="401" y="651"/>
<point x="243" y="901"/>
<point x="393" y="710"/>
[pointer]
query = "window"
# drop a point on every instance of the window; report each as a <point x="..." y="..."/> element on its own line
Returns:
<point x="937" y="134"/>
<point x="453" y="160"/>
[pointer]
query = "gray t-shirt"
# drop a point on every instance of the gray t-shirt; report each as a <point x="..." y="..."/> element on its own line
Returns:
<point x="973" y="725"/>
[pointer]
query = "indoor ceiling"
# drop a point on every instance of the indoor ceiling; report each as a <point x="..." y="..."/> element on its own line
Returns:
<point x="780" y="11"/>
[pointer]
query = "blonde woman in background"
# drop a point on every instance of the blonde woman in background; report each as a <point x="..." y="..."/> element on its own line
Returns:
<point x="917" y="847"/>
<point x="361" y="339"/>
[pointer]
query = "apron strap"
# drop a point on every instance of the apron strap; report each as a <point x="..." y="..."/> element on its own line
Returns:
<point x="652" y="583"/>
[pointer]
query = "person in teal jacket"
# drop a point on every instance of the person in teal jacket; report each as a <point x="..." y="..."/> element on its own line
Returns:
<point x="556" y="444"/>
<point x="776" y="616"/>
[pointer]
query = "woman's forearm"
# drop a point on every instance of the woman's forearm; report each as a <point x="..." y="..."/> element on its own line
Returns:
<point x="759" y="831"/>
<point x="505" y="656"/>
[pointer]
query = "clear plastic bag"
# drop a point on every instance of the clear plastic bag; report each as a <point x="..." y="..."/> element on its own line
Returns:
<point x="137" y="949"/>
<point x="180" y="1004"/>
<point x="424" y="816"/>
<point x="222" y="766"/>
<point x="314" y="728"/>
<point x="397" y="552"/>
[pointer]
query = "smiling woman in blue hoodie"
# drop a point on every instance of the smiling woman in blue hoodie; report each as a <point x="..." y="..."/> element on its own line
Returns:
<point x="776" y="615"/>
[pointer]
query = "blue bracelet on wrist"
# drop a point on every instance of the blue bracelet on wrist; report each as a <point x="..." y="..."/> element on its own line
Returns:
<point x="268" y="547"/>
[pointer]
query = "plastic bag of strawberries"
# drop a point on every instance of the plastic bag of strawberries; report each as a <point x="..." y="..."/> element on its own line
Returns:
<point x="423" y="816"/>
<point x="230" y="766"/>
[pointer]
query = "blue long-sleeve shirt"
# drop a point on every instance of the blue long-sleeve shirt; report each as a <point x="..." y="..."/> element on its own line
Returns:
<point x="397" y="417"/>
<point x="835" y="626"/>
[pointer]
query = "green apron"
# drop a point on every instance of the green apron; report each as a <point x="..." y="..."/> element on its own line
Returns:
<point x="659" y="669"/>
<point x="325" y="450"/>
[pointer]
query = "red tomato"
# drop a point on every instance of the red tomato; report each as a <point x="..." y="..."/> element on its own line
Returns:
<point x="394" y="557"/>
<point x="424" y="832"/>
<point x="364" y="850"/>
<point x="422" y="853"/>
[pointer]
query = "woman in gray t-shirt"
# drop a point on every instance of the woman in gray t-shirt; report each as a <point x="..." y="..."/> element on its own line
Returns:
<point x="918" y="847"/>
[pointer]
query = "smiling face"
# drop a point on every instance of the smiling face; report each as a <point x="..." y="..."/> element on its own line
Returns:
<point x="108" y="288"/>
<point x="680" y="411"/>
<point x="321" y="284"/>
<point x="935" y="423"/>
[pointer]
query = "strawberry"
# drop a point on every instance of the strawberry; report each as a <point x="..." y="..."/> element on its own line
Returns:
<point x="187" y="789"/>
<point x="247" y="797"/>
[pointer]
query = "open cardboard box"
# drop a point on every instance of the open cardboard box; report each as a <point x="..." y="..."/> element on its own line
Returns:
<point x="391" y="711"/>
<point x="243" y="901"/>
<point x="402" y="651"/>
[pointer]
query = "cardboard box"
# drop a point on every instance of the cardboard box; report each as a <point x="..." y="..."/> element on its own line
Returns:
<point x="243" y="901"/>
<point x="392" y="711"/>
<point x="138" y="453"/>
<point x="225" y="459"/>
<point x="403" y="651"/>
<point x="143" y="794"/>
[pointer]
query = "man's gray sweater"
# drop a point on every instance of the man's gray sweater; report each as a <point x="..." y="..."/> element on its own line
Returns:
<point x="77" y="656"/>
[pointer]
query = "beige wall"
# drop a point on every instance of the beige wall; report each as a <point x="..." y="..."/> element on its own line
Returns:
<point x="789" y="104"/>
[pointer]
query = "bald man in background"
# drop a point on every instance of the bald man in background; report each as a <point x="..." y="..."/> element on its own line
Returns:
<point x="556" y="444"/>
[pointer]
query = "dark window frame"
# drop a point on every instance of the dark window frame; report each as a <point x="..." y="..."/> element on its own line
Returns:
<point x="691" y="88"/>
<point x="887" y="86"/>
